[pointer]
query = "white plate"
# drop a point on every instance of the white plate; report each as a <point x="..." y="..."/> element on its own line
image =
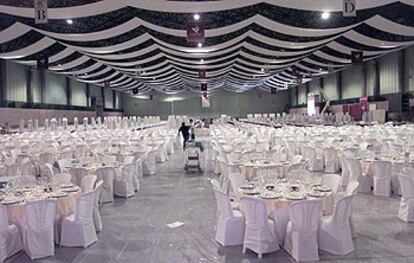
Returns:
<point x="70" y="190"/>
<point x="249" y="191"/>
<point x="270" y="196"/>
<point x="66" y="185"/>
<point x="59" y="195"/>
<point x="321" y="188"/>
<point x="316" y="194"/>
<point x="295" y="197"/>
<point x="10" y="202"/>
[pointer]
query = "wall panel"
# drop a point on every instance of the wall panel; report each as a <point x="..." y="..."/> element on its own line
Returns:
<point x="55" y="90"/>
<point x="352" y="82"/>
<point x="109" y="102"/>
<point x="409" y="69"/>
<point x="302" y="96"/>
<point x="370" y="76"/>
<point x="330" y="86"/>
<point x="389" y="79"/>
<point x="16" y="82"/>
<point x="78" y="93"/>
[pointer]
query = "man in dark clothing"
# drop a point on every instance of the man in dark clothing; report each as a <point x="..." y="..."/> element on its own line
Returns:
<point x="184" y="131"/>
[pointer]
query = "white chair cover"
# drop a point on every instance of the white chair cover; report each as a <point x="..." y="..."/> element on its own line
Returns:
<point x="123" y="184"/>
<point x="229" y="223"/>
<point x="301" y="240"/>
<point x="10" y="241"/>
<point x="236" y="180"/>
<point x="355" y="174"/>
<point x="38" y="228"/>
<point x="335" y="232"/>
<point x="382" y="178"/>
<point x="78" y="229"/>
<point x="96" y="214"/>
<point x="332" y="181"/>
<point x="106" y="174"/>
<point x="406" y="210"/>
<point x="78" y="173"/>
<point x="88" y="183"/>
<point x="62" y="178"/>
<point x="259" y="234"/>
<point x="329" y="156"/>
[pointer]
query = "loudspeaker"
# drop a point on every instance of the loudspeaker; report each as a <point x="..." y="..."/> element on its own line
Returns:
<point x="405" y="102"/>
<point x="135" y="91"/>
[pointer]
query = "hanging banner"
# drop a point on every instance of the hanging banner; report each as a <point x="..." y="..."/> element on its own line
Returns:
<point x="202" y="73"/>
<point x="42" y="63"/>
<point x="357" y="57"/>
<point x="349" y="8"/>
<point x="205" y="100"/>
<point x="195" y="32"/>
<point x="40" y="9"/>
<point x="311" y="105"/>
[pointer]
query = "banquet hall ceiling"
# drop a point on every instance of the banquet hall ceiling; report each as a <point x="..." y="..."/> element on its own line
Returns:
<point x="249" y="43"/>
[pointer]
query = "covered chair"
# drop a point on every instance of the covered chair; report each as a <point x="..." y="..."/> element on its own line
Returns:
<point x="62" y="178"/>
<point x="78" y="229"/>
<point x="27" y="168"/>
<point x="107" y="175"/>
<point x="335" y="231"/>
<point x="124" y="184"/>
<point x="332" y="181"/>
<point x="96" y="215"/>
<point x="38" y="228"/>
<point x="88" y="183"/>
<point x="46" y="158"/>
<point x="229" y="223"/>
<point x="314" y="164"/>
<point x="330" y="160"/>
<point x="406" y="210"/>
<point x="355" y="174"/>
<point x="236" y="180"/>
<point x="10" y="241"/>
<point x="78" y="173"/>
<point x="149" y="166"/>
<point x="301" y="240"/>
<point x="382" y="178"/>
<point x="259" y="234"/>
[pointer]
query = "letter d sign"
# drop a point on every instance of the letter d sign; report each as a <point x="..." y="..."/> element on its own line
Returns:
<point x="349" y="8"/>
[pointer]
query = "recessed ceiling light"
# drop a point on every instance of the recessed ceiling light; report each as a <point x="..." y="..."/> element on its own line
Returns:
<point x="325" y="15"/>
<point x="200" y="44"/>
<point x="69" y="21"/>
<point x="196" y="16"/>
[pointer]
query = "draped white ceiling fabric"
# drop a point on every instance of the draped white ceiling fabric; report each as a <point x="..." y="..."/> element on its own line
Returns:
<point x="249" y="43"/>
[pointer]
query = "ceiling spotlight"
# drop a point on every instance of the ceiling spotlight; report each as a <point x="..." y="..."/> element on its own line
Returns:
<point x="200" y="44"/>
<point x="201" y="60"/>
<point x="86" y="74"/>
<point x="320" y="69"/>
<point x="196" y="16"/>
<point x="69" y="21"/>
<point x="262" y="69"/>
<point x="59" y="65"/>
<point x="153" y="78"/>
<point x="143" y="73"/>
<point x="325" y="15"/>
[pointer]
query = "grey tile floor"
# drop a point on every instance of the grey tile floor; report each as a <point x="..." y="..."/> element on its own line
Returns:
<point x="135" y="228"/>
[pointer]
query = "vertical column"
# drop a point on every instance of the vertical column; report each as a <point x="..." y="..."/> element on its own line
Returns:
<point x="68" y="92"/>
<point x="103" y="96"/>
<point x="42" y="82"/>
<point x="3" y="81"/>
<point x="339" y="84"/>
<point x="88" y="95"/>
<point x="401" y="71"/>
<point x="29" y="88"/>
<point x="377" y="84"/>
<point x="364" y="80"/>
<point x="114" y="99"/>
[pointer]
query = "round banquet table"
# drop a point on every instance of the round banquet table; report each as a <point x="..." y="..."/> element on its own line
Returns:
<point x="64" y="206"/>
<point x="251" y="170"/>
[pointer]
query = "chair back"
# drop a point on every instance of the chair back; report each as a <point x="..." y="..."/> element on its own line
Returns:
<point x="354" y="167"/>
<point x="407" y="186"/>
<point x="223" y="204"/>
<point x="305" y="215"/>
<point x="88" y="183"/>
<point x="342" y="210"/>
<point x="382" y="170"/>
<point x="352" y="188"/>
<point x="62" y="178"/>
<point x="255" y="212"/>
<point x="4" y="220"/>
<point x="66" y="155"/>
<point x="98" y="189"/>
<point x="84" y="206"/>
<point x="236" y="180"/>
<point x="215" y="183"/>
<point x="128" y="169"/>
<point x="332" y="181"/>
<point x="40" y="215"/>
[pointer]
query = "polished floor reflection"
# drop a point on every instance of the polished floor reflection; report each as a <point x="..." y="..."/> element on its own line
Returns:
<point x="135" y="229"/>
